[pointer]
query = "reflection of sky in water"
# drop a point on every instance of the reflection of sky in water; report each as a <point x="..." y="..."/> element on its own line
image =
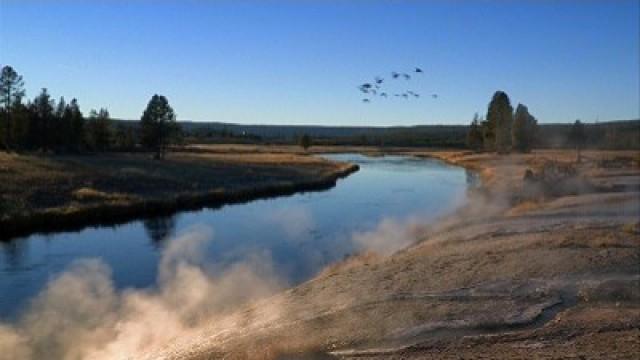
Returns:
<point x="301" y="233"/>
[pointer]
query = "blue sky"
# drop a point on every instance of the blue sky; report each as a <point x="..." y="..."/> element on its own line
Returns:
<point x="300" y="62"/>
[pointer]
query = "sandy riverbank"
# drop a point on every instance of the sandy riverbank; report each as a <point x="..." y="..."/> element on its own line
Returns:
<point x="519" y="272"/>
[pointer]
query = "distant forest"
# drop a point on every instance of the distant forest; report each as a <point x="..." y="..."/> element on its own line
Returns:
<point x="623" y="134"/>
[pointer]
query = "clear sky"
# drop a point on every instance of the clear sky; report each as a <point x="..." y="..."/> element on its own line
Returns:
<point x="300" y="62"/>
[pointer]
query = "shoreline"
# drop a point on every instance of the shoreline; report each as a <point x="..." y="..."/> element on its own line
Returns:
<point x="111" y="214"/>
<point x="495" y="267"/>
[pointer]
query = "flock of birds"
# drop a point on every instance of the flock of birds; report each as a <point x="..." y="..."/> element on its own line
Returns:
<point x="375" y="88"/>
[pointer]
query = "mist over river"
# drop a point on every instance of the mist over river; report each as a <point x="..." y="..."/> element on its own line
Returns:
<point x="296" y="236"/>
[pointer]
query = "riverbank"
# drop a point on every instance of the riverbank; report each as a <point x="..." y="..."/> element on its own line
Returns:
<point x="545" y="267"/>
<point x="55" y="193"/>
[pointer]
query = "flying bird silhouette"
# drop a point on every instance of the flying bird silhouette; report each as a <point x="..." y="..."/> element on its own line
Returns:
<point x="365" y="87"/>
<point x="376" y="87"/>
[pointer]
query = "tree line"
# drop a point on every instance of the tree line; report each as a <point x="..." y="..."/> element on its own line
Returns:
<point x="503" y="130"/>
<point x="44" y="124"/>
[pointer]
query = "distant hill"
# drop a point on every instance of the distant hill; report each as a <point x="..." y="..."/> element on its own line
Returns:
<point x="610" y="134"/>
<point x="318" y="131"/>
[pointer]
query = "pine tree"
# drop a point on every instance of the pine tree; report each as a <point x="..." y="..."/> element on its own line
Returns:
<point x="524" y="129"/>
<point x="158" y="126"/>
<point x="20" y="117"/>
<point x="499" y="121"/>
<point x="11" y="93"/>
<point x="41" y="121"/>
<point x="99" y="130"/>
<point x="125" y="137"/>
<point x="58" y="134"/>
<point x="76" y="126"/>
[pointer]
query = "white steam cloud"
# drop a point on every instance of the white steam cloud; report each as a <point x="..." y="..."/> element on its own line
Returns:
<point x="389" y="236"/>
<point x="80" y="314"/>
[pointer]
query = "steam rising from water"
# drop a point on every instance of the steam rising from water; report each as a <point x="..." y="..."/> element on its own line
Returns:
<point x="80" y="315"/>
<point x="390" y="236"/>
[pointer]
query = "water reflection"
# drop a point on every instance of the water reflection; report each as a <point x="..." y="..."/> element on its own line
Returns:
<point x="14" y="253"/>
<point x="159" y="229"/>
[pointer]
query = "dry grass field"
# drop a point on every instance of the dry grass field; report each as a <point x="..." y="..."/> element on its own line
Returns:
<point x="41" y="192"/>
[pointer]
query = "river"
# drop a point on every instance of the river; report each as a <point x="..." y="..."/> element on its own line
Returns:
<point x="299" y="234"/>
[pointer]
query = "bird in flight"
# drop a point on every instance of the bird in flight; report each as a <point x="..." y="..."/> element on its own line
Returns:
<point x="365" y="87"/>
<point x="378" y="87"/>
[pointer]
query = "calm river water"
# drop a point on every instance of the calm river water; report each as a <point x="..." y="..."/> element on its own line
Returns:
<point x="300" y="233"/>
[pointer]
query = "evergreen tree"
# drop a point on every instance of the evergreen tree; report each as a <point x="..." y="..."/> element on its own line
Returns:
<point x="499" y="121"/>
<point x="99" y="130"/>
<point x="158" y="126"/>
<point x="41" y="121"/>
<point x="125" y="138"/>
<point x="488" y="135"/>
<point x="11" y="93"/>
<point x="58" y="126"/>
<point x="524" y="129"/>
<point x="76" y="126"/>
<point x="474" y="136"/>
<point x="20" y="117"/>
